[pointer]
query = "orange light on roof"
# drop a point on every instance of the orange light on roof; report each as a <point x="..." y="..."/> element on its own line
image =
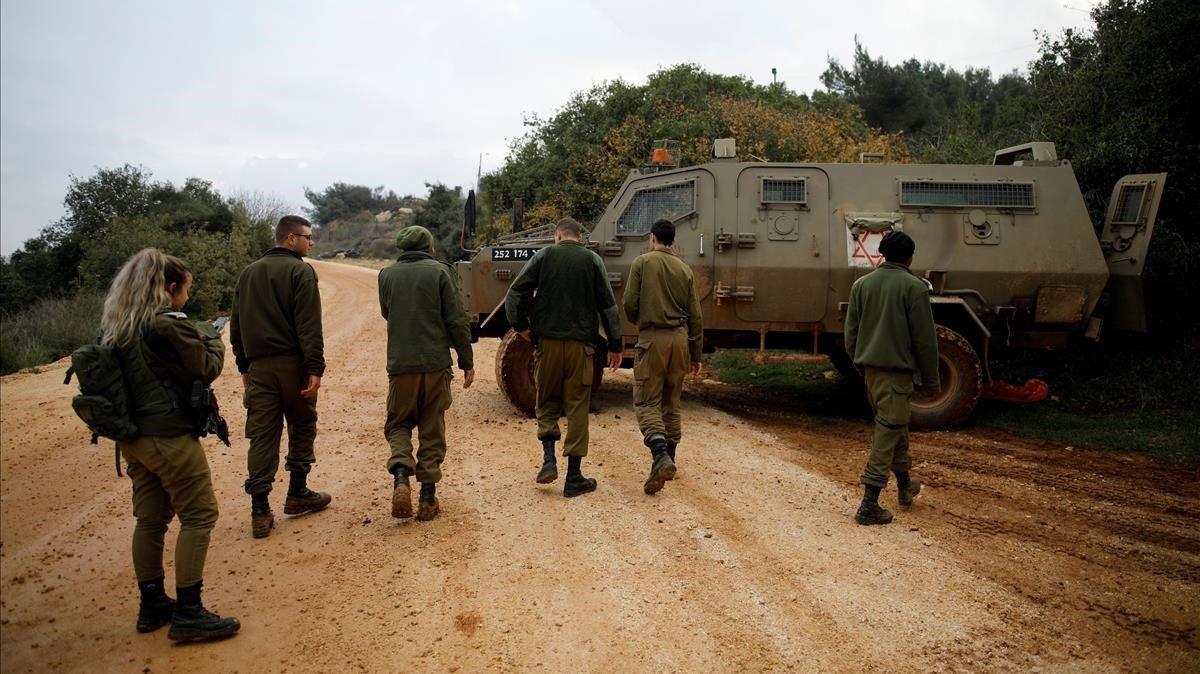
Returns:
<point x="660" y="156"/>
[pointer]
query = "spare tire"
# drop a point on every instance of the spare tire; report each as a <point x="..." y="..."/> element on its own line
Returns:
<point x="962" y="382"/>
<point x="514" y="372"/>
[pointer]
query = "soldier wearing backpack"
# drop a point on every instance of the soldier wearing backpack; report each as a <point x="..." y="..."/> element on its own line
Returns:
<point x="161" y="354"/>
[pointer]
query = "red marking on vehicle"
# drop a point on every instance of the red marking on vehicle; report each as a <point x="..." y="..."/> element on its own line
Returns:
<point x="860" y="246"/>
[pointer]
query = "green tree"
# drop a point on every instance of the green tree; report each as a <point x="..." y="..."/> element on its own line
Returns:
<point x="442" y="215"/>
<point x="343" y="200"/>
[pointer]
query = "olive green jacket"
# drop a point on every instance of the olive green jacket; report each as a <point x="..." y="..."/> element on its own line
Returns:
<point x="277" y="312"/>
<point x="572" y="288"/>
<point x="662" y="294"/>
<point x="425" y="318"/>
<point x="175" y="352"/>
<point x="889" y="323"/>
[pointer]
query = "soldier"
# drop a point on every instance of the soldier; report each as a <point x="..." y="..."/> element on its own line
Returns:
<point x="277" y="340"/>
<point x="572" y="288"/>
<point x="890" y="336"/>
<point x="661" y="301"/>
<point x="162" y="354"/>
<point x="419" y="299"/>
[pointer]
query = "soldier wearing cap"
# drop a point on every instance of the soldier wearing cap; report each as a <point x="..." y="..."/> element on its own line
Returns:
<point x="891" y="337"/>
<point x="555" y="301"/>
<point x="418" y="297"/>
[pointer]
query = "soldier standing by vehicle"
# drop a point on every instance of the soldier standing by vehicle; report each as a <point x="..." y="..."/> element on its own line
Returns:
<point x="277" y="340"/>
<point x="890" y="335"/>
<point x="419" y="299"/>
<point x="661" y="301"/>
<point x="572" y="288"/>
<point x="161" y="355"/>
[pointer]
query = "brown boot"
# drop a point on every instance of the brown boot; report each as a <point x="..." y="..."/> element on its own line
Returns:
<point x="301" y="499"/>
<point x="906" y="496"/>
<point x="401" y="497"/>
<point x="262" y="520"/>
<point x="428" y="509"/>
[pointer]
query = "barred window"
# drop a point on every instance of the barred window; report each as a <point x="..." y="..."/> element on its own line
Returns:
<point x="653" y="203"/>
<point x="1129" y="205"/>
<point x="966" y="195"/>
<point x="784" y="191"/>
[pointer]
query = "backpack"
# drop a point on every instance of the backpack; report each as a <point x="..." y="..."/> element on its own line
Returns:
<point x="103" y="401"/>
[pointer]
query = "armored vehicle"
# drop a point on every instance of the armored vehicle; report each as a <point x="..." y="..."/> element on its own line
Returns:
<point x="1008" y="250"/>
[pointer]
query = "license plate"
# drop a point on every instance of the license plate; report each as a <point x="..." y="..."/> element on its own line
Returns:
<point x="513" y="254"/>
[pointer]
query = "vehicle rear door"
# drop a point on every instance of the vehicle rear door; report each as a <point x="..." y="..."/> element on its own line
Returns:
<point x="1125" y="238"/>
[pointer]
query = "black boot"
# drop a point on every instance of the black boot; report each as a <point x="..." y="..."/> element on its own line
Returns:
<point x="155" y="608"/>
<point x="193" y="622"/>
<point x="428" y="508"/>
<point x="262" y="520"/>
<point x="907" y="488"/>
<point x="301" y="499"/>
<point x="549" y="471"/>
<point x="576" y="483"/>
<point x="671" y="445"/>
<point x="401" y="494"/>
<point x="662" y="468"/>
<point x="870" y="512"/>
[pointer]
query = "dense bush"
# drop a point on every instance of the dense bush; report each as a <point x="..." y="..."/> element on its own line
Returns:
<point x="48" y="330"/>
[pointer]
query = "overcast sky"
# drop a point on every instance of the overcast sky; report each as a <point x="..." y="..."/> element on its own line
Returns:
<point x="276" y="96"/>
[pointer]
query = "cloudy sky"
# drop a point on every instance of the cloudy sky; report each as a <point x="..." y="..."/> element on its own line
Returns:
<point x="276" y="96"/>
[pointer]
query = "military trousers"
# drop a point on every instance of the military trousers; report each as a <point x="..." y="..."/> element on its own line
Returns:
<point x="890" y="393"/>
<point x="170" y="477"/>
<point x="660" y="363"/>
<point x="418" y="401"/>
<point x="273" y="396"/>
<point x="563" y="374"/>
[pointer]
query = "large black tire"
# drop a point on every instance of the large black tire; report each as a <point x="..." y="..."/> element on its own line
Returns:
<point x="514" y="372"/>
<point x="962" y="382"/>
<point x="841" y="361"/>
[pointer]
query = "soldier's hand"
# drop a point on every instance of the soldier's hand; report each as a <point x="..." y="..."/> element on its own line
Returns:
<point x="245" y="379"/>
<point x="314" y="383"/>
<point x="526" y="335"/>
<point x="614" y="361"/>
<point x="695" y="367"/>
<point x="468" y="377"/>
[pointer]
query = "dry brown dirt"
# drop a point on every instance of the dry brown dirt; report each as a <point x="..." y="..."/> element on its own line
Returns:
<point x="1017" y="556"/>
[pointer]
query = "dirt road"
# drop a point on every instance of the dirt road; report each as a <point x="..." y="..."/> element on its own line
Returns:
<point x="1018" y="555"/>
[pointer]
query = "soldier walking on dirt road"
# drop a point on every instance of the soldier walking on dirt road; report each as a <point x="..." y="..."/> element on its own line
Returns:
<point x="661" y="301"/>
<point x="419" y="299"/>
<point x="890" y="336"/>
<point x="572" y="288"/>
<point x="277" y="340"/>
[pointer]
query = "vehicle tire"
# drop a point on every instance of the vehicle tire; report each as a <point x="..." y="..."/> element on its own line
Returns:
<point x="962" y="382"/>
<point x="841" y="361"/>
<point x="514" y="372"/>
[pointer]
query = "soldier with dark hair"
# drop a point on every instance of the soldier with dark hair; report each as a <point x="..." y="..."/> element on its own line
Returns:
<point x="660" y="299"/>
<point x="891" y="337"/>
<point x="555" y="301"/>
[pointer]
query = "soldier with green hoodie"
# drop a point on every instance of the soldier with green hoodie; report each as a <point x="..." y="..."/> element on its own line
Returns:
<point x="891" y="336"/>
<point x="418" y="298"/>
<point x="277" y="341"/>
<point x="555" y="300"/>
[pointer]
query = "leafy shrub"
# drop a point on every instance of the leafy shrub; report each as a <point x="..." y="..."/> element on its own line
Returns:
<point x="48" y="330"/>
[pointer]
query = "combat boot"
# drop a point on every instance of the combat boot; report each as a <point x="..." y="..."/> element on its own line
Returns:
<point x="401" y="494"/>
<point x="576" y="484"/>
<point x="549" y="471"/>
<point x="662" y="468"/>
<point x="301" y="499"/>
<point x="907" y="489"/>
<point x="671" y="445"/>
<point x="262" y="520"/>
<point x="192" y="622"/>
<point x="428" y="507"/>
<point x="870" y="512"/>
<point x="155" y="608"/>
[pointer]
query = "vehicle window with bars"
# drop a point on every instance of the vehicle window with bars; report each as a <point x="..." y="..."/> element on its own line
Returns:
<point x="783" y="191"/>
<point x="1129" y="204"/>
<point x="648" y="205"/>
<point x="966" y="195"/>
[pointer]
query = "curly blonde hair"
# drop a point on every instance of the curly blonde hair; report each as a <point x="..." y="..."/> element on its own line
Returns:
<point x="139" y="291"/>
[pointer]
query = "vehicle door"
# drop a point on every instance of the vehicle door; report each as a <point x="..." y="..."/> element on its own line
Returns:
<point x="1125" y="238"/>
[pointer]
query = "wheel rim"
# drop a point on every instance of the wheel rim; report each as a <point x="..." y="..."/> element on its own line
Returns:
<point x="950" y="384"/>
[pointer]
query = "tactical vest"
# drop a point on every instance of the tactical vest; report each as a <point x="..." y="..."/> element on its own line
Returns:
<point x="157" y="404"/>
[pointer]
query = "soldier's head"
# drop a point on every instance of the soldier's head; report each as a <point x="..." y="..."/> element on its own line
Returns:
<point x="567" y="229"/>
<point x="294" y="233"/>
<point x="415" y="238"/>
<point x="662" y="233"/>
<point x="898" y="247"/>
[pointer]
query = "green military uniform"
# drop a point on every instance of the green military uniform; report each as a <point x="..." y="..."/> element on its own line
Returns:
<point x="660" y="299"/>
<point x="419" y="299"/>
<point x="572" y="289"/>
<point x="166" y="463"/>
<point x="890" y="335"/>
<point x="277" y="340"/>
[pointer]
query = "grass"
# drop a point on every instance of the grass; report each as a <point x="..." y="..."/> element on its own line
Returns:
<point x="1078" y="413"/>
<point x="48" y="331"/>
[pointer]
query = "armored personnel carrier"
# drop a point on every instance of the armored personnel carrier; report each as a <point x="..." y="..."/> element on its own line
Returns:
<point x="1008" y="250"/>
